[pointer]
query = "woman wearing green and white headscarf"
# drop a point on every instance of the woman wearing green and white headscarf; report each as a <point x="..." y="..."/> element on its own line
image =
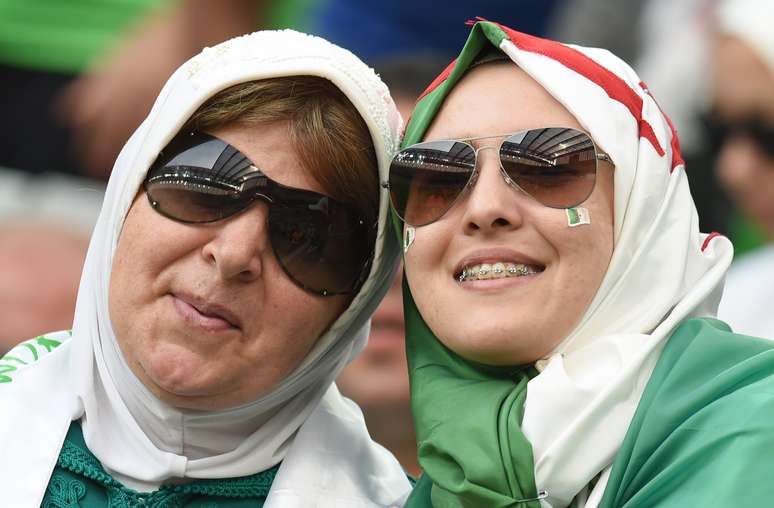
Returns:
<point x="560" y="297"/>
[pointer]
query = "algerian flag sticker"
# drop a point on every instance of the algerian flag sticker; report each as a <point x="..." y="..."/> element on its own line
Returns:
<point x="577" y="216"/>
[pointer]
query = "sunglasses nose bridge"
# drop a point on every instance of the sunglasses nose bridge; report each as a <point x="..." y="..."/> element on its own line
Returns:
<point x="503" y="173"/>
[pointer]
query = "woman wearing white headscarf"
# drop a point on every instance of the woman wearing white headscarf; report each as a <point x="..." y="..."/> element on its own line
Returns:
<point x="559" y="296"/>
<point x="241" y="248"/>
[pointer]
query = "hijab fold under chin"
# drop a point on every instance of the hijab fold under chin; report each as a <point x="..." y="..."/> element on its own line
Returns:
<point x="488" y="439"/>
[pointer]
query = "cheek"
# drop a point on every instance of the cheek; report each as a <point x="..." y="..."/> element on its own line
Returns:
<point x="586" y="251"/>
<point x="300" y="319"/>
<point x="424" y="256"/>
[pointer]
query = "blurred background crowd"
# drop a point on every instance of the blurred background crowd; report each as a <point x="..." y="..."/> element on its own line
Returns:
<point x="77" y="77"/>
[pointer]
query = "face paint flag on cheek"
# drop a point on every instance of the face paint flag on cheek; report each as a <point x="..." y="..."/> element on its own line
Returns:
<point x="577" y="216"/>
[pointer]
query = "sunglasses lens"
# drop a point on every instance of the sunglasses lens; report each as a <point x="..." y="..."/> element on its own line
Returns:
<point x="556" y="166"/>
<point x="426" y="179"/>
<point x="195" y="206"/>
<point x="318" y="242"/>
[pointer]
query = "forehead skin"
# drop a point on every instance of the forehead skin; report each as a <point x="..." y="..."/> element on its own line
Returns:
<point x="475" y="105"/>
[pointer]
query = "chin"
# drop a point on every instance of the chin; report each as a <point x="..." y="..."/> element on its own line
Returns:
<point x="496" y="348"/>
<point x="181" y="375"/>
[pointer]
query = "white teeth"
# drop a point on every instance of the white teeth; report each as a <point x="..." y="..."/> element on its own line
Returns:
<point x="485" y="271"/>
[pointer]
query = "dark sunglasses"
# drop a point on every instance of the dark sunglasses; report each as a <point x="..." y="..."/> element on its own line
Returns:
<point x="720" y="130"/>
<point x="556" y="166"/>
<point x="320" y="243"/>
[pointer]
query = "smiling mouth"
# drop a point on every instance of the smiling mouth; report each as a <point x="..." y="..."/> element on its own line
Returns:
<point x="489" y="271"/>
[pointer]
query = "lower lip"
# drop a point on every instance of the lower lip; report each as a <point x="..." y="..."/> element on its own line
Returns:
<point x="192" y="316"/>
<point x="493" y="284"/>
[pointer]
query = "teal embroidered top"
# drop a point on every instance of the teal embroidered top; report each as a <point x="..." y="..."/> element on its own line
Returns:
<point x="79" y="481"/>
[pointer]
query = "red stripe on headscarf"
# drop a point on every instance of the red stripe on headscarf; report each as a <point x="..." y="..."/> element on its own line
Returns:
<point x="707" y="240"/>
<point x="616" y="88"/>
<point x="677" y="156"/>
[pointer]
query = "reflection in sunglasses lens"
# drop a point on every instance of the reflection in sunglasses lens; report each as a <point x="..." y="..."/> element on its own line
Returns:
<point x="555" y="166"/>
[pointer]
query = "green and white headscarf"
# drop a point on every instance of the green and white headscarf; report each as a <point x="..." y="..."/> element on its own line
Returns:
<point x="497" y="437"/>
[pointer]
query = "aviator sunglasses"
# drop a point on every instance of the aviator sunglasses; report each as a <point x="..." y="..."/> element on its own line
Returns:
<point x="556" y="166"/>
<point x="320" y="243"/>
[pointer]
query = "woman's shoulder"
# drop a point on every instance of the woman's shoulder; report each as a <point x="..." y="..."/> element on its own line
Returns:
<point x="38" y="404"/>
<point x="29" y="353"/>
<point x="703" y="432"/>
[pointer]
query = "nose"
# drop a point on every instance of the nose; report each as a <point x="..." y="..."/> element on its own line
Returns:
<point x="237" y="247"/>
<point x="492" y="204"/>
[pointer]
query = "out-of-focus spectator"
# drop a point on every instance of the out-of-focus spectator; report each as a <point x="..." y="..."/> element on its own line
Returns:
<point x="40" y="265"/>
<point x="742" y="120"/>
<point x="44" y="45"/>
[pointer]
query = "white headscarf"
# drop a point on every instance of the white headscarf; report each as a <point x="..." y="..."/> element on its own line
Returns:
<point x="663" y="271"/>
<point x="328" y="459"/>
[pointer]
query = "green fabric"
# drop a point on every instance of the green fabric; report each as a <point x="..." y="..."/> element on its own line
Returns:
<point x="467" y="416"/>
<point x="703" y="432"/>
<point x="79" y="481"/>
<point x="64" y="35"/>
<point x="295" y="14"/>
<point x="745" y="234"/>
<point x="26" y="353"/>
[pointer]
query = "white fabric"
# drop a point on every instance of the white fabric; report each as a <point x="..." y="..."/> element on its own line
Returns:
<point x="579" y="407"/>
<point x="327" y="457"/>
<point x="750" y="21"/>
<point x="747" y="298"/>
